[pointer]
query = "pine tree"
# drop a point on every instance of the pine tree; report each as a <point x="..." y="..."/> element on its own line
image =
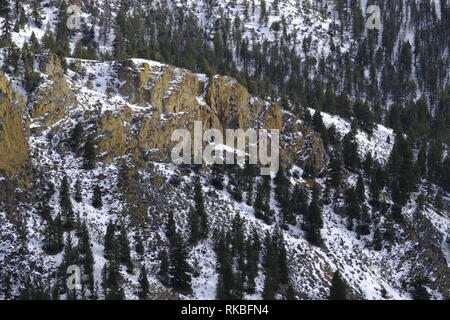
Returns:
<point x="350" y="152"/>
<point x="216" y="177"/>
<point x="69" y="257"/>
<point x="290" y="293"/>
<point x="300" y="200"/>
<point x="252" y="266"/>
<point x="163" y="273"/>
<point x="88" y="258"/>
<point x="89" y="156"/>
<point x="110" y="242"/>
<point x="338" y="290"/>
<point x="225" y="267"/>
<point x="179" y="271"/>
<point x="37" y="12"/>
<point x="377" y="240"/>
<point x="124" y="250"/>
<point x="112" y="281"/>
<point x="336" y="169"/>
<point x="140" y="250"/>
<point x="53" y="237"/>
<point x="78" y="193"/>
<point x="314" y="222"/>
<point x="66" y="205"/>
<point x="360" y="189"/>
<point x="97" y="197"/>
<point x="194" y="227"/>
<point x="419" y="290"/>
<point x="76" y="136"/>
<point x="62" y="33"/>
<point x="200" y="209"/>
<point x="220" y="290"/>
<point x="171" y="228"/>
<point x="144" y="286"/>
<point x="5" y="13"/>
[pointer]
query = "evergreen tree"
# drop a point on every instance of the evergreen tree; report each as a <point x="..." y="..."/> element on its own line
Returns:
<point x="336" y="169"/>
<point x="200" y="209"/>
<point x="194" y="227"/>
<point x="78" y="193"/>
<point x="314" y="222"/>
<point x="97" y="197"/>
<point x="53" y="237"/>
<point x="5" y="13"/>
<point x="89" y="156"/>
<point x="338" y="290"/>
<point x="360" y="189"/>
<point x="290" y="293"/>
<point x="88" y="258"/>
<point x="76" y="136"/>
<point x="419" y="290"/>
<point x="377" y="240"/>
<point x="179" y="271"/>
<point x="66" y="205"/>
<point x="124" y="250"/>
<point x="110" y="249"/>
<point x="37" y="12"/>
<point x="163" y="273"/>
<point x="144" y="286"/>
<point x="350" y="152"/>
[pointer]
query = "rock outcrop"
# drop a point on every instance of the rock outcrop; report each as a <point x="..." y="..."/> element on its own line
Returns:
<point x="13" y="140"/>
<point x="53" y="95"/>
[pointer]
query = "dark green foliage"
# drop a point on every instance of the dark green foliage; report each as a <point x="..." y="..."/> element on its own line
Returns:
<point x="419" y="291"/>
<point x="338" y="290"/>
<point x="140" y="249"/>
<point x="350" y="152"/>
<point x="179" y="271"/>
<point x="275" y="261"/>
<point x="111" y="246"/>
<point x="377" y="240"/>
<point x="89" y="155"/>
<point x="226" y="284"/>
<point x="37" y="12"/>
<point x="200" y="210"/>
<point x="163" y="273"/>
<point x="403" y="173"/>
<point x="336" y="165"/>
<point x="78" y="197"/>
<point x="66" y="205"/>
<point x="124" y="250"/>
<point x="283" y="196"/>
<point x="76" y="136"/>
<point x="87" y="257"/>
<point x="53" y="236"/>
<point x="445" y="178"/>
<point x="313" y="220"/>
<point x="112" y="282"/>
<point x="97" y="201"/>
<point x="144" y="286"/>
<point x="300" y="200"/>
<point x="261" y="204"/>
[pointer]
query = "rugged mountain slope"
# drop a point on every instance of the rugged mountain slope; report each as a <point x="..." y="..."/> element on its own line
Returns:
<point x="105" y="124"/>
<point x="131" y="108"/>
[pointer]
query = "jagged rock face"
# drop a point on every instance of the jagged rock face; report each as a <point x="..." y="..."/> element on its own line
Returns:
<point x="13" y="138"/>
<point x="53" y="96"/>
<point x="173" y="98"/>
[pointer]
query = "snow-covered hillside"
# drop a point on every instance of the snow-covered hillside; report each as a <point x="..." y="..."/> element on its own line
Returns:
<point x="106" y="126"/>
